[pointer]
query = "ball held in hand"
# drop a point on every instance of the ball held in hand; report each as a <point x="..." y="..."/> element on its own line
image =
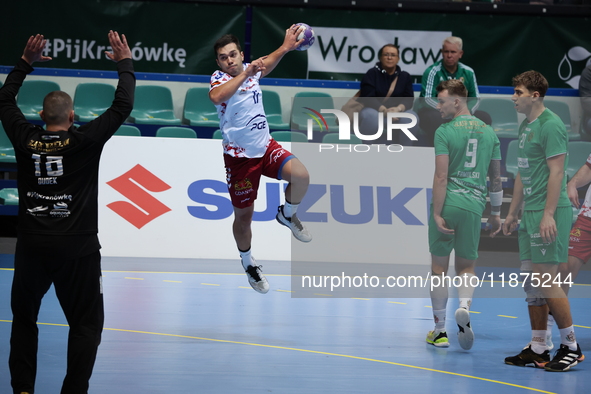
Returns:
<point x="307" y="35"/>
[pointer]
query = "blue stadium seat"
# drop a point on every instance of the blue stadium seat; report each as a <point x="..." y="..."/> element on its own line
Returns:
<point x="153" y="105"/>
<point x="30" y="97"/>
<point x="92" y="99"/>
<point x="199" y="110"/>
<point x="176" y="132"/>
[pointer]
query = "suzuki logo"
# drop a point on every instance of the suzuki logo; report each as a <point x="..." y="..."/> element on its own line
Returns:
<point x="143" y="207"/>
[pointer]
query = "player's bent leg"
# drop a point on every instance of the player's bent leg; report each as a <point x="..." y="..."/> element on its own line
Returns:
<point x="298" y="178"/>
<point x="536" y="353"/>
<point x="243" y="236"/>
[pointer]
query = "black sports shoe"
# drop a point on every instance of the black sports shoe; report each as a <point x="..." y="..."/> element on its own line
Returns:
<point x="256" y="278"/>
<point x="529" y="358"/>
<point x="564" y="359"/>
<point x="295" y="225"/>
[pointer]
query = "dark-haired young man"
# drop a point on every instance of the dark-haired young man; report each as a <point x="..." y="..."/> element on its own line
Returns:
<point x="545" y="225"/>
<point x="249" y="150"/>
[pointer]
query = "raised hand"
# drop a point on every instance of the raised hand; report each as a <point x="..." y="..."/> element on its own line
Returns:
<point x="34" y="50"/>
<point x="119" y="45"/>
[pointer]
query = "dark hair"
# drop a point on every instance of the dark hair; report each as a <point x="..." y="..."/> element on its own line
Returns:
<point x="225" y="40"/>
<point x="386" y="46"/>
<point x="533" y="81"/>
<point x="454" y="87"/>
<point x="57" y="106"/>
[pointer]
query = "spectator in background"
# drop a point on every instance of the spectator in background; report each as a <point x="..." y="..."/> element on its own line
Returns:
<point x="386" y="88"/>
<point x="449" y="67"/>
<point x="585" y="93"/>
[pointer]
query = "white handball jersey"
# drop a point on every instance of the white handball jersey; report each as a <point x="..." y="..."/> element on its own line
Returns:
<point x="586" y="208"/>
<point x="242" y="118"/>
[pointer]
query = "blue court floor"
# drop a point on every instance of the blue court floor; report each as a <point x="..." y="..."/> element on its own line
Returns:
<point x="194" y="326"/>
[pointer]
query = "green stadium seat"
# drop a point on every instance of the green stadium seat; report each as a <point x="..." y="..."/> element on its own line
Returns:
<point x="199" y="110"/>
<point x="153" y="105"/>
<point x="561" y="109"/>
<point x="317" y="101"/>
<point x="503" y="114"/>
<point x="272" y="104"/>
<point x="289" y="136"/>
<point x="6" y="150"/>
<point x="217" y="135"/>
<point x="30" y="97"/>
<point x="511" y="159"/>
<point x="91" y="100"/>
<point x="129" y="131"/>
<point x="578" y="151"/>
<point x="9" y="196"/>
<point x="176" y="132"/>
<point x="332" y="138"/>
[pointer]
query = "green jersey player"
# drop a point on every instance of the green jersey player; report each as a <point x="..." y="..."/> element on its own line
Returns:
<point x="466" y="149"/>
<point x="545" y="225"/>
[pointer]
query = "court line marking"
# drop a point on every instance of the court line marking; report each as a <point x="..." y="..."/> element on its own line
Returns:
<point x="210" y="284"/>
<point x="172" y="281"/>
<point x="134" y="278"/>
<point x="312" y="352"/>
<point x="510" y="317"/>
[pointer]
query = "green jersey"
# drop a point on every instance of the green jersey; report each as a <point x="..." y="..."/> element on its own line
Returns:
<point x="471" y="144"/>
<point x="540" y="140"/>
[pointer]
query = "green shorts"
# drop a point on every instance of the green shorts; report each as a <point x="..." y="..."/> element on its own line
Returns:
<point x="531" y="246"/>
<point x="467" y="233"/>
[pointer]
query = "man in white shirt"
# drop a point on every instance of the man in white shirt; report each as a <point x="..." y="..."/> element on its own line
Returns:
<point x="249" y="150"/>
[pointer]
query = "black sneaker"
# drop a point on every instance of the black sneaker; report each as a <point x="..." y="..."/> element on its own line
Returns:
<point x="529" y="358"/>
<point x="295" y="225"/>
<point x="564" y="359"/>
<point x="256" y="279"/>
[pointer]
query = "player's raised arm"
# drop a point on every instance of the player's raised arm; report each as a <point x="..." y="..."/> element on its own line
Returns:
<point x="290" y="43"/>
<point x="34" y="50"/>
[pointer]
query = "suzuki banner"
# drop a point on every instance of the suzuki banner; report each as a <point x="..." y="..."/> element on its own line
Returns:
<point x="167" y="197"/>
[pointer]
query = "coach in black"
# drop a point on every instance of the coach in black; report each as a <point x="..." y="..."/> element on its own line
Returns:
<point x="58" y="213"/>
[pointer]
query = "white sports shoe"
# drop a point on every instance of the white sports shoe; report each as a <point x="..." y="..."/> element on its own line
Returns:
<point x="465" y="333"/>
<point x="256" y="278"/>
<point x="297" y="228"/>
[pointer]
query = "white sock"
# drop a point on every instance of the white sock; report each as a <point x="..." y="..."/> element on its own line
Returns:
<point x="538" y="341"/>
<point x="549" y="326"/>
<point x="466" y="291"/>
<point x="567" y="337"/>
<point x="439" y="317"/>
<point x="290" y="209"/>
<point x="246" y="258"/>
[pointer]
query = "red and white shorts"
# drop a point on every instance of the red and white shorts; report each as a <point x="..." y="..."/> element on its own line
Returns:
<point x="579" y="244"/>
<point x="243" y="174"/>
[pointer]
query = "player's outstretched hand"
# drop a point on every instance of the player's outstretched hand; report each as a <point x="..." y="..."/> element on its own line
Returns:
<point x="442" y="226"/>
<point x="34" y="50"/>
<point x="119" y="45"/>
<point x="290" y="42"/>
<point x="494" y="224"/>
